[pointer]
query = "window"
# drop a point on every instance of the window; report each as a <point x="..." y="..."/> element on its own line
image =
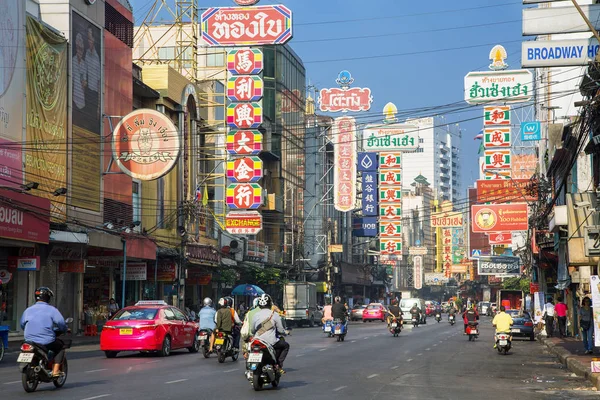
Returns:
<point x="169" y="315"/>
<point x="215" y="59"/>
<point x="179" y="315"/>
<point x="166" y="53"/>
<point x="135" y="314"/>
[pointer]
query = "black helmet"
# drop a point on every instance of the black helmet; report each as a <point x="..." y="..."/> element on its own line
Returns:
<point x="44" y="294"/>
<point x="229" y="301"/>
<point x="264" y="301"/>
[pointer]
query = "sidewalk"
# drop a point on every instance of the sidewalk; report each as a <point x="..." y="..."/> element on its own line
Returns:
<point x="571" y="354"/>
<point x="15" y="338"/>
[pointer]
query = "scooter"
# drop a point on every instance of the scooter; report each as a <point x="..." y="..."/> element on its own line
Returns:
<point x="438" y="317"/>
<point x="415" y="321"/>
<point x="328" y="328"/>
<point x="451" y="319"/>
<point x="36" y="364"/>
<point x="224" y="347"/>
<point x="503" y="342"/>
<point x="395" y="327"/>
<point x="204" y="338"/>
<point x="340" y="329"/>
<point x="472" y="331"/>
<point x="261" y="365"/>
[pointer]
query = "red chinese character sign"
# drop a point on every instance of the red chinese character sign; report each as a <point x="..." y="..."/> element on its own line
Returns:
<point x="496" y="137"/>
<point x="244" y="196"/>
<point x="390" y="211"/>
<point x="245" y="169"/>
<point x="344" y="98"/>
<point x="391" y="228"/>
<point x="244" y="61"/>
<point x="496" y="115"/>
<point x="244" y="143"/>
<point x="390" y="160"/>
<point x="344" y="175"/>
<point x="245" y="88"/>
<point x="244" y="115"/>
<point x="246" y="26"/>
<point x="390" y="246"/>
<point x="497" y="159"/>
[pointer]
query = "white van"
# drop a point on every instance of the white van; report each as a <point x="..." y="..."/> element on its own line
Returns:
<point x="407" y="304"/>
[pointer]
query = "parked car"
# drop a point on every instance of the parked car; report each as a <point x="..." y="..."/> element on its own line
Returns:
<point x="522" y="324"/>
<point x="374" y="312"/>
<point x="357" y="312"/>
<point x="149" y="326"/>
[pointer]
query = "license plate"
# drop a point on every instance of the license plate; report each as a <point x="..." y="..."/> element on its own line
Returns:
<point x="338" y="331"/>
<point x="515" y="330"/>
<point x="255" y="357"/>
<point x="394" y="325"/>
<point x="414" y="320"/>
<point x="126" y="331"/>
<point x="327" y="329"/>
<point x="502" y="342"/>
<point x="219" y="341"/>
<point x="473" y="332"/>
<point x="202" y="337"/>
<point x="25" y="357"/>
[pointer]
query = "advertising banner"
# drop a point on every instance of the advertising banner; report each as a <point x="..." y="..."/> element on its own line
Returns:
<point x="418" y="272"/>
<point x="47" y="94"/>
<point x="500" y="217"/>
<point x="391" y="137"/>
<point x="244" y="143"/>
<point x="509" y="86"/>
<point x="136" y="271"/>
<point x="505" y="190"/>
<point x="370" y="198"/>
<point x="166" y="271"/>
<point x="24" y="263"/>
<point x="344" y="174"/>
<point x="496" y="137"/>
<point x="501" y="265"/>
<point x="447" y="251"/>
<point x="500" y="238"/>
<point x="345" y="99"/>
<point x="72" y="266"/>
<point x="496" y="115"/>
<point x="85" y="178"/>
<point x="594" y="285"/>
<point x="12" y="91"/>
<point x="446" y="219"/>
<point x="497" y="159"/>
<point x="531" y="131"/>
<point x="243" y="222"/>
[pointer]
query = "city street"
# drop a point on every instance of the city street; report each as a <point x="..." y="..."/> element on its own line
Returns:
<point x="435" y="361"/>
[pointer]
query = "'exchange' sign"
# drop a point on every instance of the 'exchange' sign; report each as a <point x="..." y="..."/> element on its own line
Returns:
<point x="505" y="266"/>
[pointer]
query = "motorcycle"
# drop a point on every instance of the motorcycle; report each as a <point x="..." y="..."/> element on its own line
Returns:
<point x="503" y="342"/>
<point x="472" y="331"/>
<point x="224" y="347"/>
<point x="415" y="321"/>
<point x="261" y="366"/>
<point x="451" y="319"/>
<point x="438" y="317"/>
<point x="395" y="327"/>
<point x="340" y="329"/>
<point x="36" y="364"/>
<point x="328" y="328"/>
<point x="204" y="338"/>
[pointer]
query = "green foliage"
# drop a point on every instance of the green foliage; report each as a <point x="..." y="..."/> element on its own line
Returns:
<point x="227" y="276"/>
<point x="517" y="283"/>
<point x="458" y="302"/>
<point x="262" y="276"/>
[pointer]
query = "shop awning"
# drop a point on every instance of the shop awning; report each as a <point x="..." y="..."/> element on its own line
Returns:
<point x="137" y="247"/>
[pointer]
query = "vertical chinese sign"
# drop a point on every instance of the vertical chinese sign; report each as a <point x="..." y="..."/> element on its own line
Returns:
<point x="367" y="166"/>
<point x="496" y="140"/>
<point x="344" y="174"/>
<point x="390" y="194"/>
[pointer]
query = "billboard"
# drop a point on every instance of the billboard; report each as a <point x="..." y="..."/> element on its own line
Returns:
<point x="551" y="20"/>
<point x="244" y="61"/>
<point x="446" y="219"/>
<point x="364" y="227"/>
<point x="497" y="136"/>
<point x="418" y="272"/>
<point x="558" y="53"/>
<point x="501" y="265"/>
<point x="146" y="144"/>
<point x="496" y="115"/>
<point x="387" y="137"/>
<point x="500" y="217"/>
<point x="46" y="161"/>
<point x="497" y="159"/>
<point x="505" y="190"/>
<point x="246" y="26"/>
<point x="483" y="87"/>
<point x="12" y="91"/>
<point x="496" y="238"/>
<point x="243" y="222"/>
<point x="344" y="174"/>
<point x="344" y="98"/>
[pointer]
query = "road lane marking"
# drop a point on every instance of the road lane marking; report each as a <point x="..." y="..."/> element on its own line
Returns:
<point x="11" y="383"/>
<point x="354" y="341"/>
<point x="395" y="367"/>
<point x="409" y="360"/>
<point x="366" y="337"/>
<point x="299" y="355"/>
<point x="420" y="354"/>
<point x="97" y="397"/>
<point x="176" y="381"/>
<point x="340" y="388"/>
<point x="323" y="349"/>
<point x="372" y="376"/>
<point x="231" y="370"/>
<point x="427" y="349"/>
<point x="152" y="362"/>
<point x="435" y="345"/>
<point x="129" y="369"/>
<point x="96" y="370"/>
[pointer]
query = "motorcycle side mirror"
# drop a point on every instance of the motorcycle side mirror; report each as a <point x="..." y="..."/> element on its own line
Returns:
<point x="69" y="320"/>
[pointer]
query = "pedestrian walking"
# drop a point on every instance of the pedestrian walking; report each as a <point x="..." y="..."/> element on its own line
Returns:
<point x="113" y="307"/>
<point x="586" y="322"/>
<point x="561" y="313"/>
<point x="549" y="317"/>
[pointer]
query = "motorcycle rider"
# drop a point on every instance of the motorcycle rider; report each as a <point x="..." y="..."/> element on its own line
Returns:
<point x="394" y="311"/>
<point x="338" y="310"/>
<point x="246" y="331"/>
<point x="327" y="315"/>
<point x="470" y="315"/>
<point x="502" y="322"/>
<point x="39" y="323"/>
<point x="206" y="317"/>
<point x="267" y="325"/>
<point x="225" y="319"/>
<point x="452" y="311"/>
<point x="415" y="312"/>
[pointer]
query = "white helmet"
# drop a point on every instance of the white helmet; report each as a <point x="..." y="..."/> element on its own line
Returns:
<point x="255" y="302"/>
<point x="264" y="301"/>
<point x="222" y="302"/>
<point x="207" y="302"/>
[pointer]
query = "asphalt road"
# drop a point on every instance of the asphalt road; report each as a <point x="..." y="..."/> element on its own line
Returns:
<point x="434" y="361"/>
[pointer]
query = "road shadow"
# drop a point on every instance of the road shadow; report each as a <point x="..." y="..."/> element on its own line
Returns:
<point x="49" y="387"/>
<point x="292" y="384"/>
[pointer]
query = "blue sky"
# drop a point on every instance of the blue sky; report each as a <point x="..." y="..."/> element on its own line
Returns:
<point x="446" y="40"/>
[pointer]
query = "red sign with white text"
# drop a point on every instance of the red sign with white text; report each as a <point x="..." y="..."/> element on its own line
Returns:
<point x="500" y="238"/>
<point x="245" y="26"/>
<point x="337" y="100"/>
<point x="505" y="190"/>
<point x="24" y="217"/>
<point x="500" y="217"/>
<point x="244" y="143"/>
<point x="344" y="173"/>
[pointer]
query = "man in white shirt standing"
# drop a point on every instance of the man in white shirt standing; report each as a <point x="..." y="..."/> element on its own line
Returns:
<point x="549" y="316"/>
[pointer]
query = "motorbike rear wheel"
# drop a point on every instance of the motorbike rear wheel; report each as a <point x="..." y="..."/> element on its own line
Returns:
<point x="221" y="358"/>
<point x="205" y="352"/>
<point x="275" y="382"/>
<point x="506" y="350"/>
<point x="1" y="349"/>
<point x="257" y="381"/>
<point x="235" y="356"/>
<point x="60" y="382"/>
<point x="29" y="380"/>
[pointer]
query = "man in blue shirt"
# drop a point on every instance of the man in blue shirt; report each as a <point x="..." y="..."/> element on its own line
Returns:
<point x="41" y="321"/>
<point x="207" y="319"/>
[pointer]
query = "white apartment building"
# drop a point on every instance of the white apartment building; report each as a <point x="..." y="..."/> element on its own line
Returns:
<point x="437" y="158"/>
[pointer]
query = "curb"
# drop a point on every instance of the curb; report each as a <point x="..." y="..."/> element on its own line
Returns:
<point x="572" y="364"/>
<point x="14" y="343"/>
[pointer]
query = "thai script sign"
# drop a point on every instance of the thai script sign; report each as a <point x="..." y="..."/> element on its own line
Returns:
<point x="146" y="144"/>
<point x="446" y="219"/>
<point x="369" y="193"/>
<point x="246" y="26"/>
<point x="245" y="169"/>
<point x="391" y="137"/>
<point x="340" y="100"/>
<point x="505" y="190"/>
<point x="243" y="222"/>
<point x="17" y="223"/>
<point x="244" y="143"/>
<point x="244" y="61"/>
<point x="496" y="137"/>
<point x="344" y="175"/>
<point x="504" y="265"/>
<point x="496" y="115"/>
<point x="498" y="86"/>
<point x="558" y="53"/>
<point x="500" y="217"/>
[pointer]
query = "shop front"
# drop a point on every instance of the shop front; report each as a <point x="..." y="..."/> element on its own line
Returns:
<point x="24" y="234"/>
<point x="201" y="262"/>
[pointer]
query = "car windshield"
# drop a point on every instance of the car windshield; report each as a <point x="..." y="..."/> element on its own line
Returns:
<point x="408" y="303"/>
<point x="374" y="307"/>
<point x="136" y="314"/>
<point x="359" y="306"/>
<point x="485" y="303"/>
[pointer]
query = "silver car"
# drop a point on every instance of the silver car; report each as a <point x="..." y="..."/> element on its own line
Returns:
<point x="357" y="312"/>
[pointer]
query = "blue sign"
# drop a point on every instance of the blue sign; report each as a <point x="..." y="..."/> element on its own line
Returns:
<point x="370" y="198"/>
<point x="367" y="161"/>
<point x="475" y="253"/>
<point x="531" y="131"/>
<point x="365" y="227"/>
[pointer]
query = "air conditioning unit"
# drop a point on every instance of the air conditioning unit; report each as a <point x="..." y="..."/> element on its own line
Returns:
<point x="559" y="217"/>
<point x="591" y="239"/>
